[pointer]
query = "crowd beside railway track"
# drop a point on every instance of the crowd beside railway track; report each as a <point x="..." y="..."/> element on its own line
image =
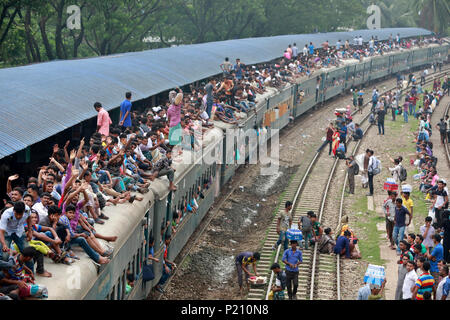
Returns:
<point x="58" y="208"/>
<point x="423" y="254"/>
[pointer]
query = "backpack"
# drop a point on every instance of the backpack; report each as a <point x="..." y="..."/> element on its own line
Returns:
<point x="356" y="169"/>
<point x="403" y="174"/>
<point x="376" y="166"/>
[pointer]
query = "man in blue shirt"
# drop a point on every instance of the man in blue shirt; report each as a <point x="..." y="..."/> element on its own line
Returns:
<point x="343" y="131"/>
<point x="358" y="135"/>
<point x="311" y="49"/>
<point x="238" y="69"/>
<point x="435" y="256"/>
<point x="343" y="245"/>
<point x="292" y="258"/>
<point x="125" y="112"/>
<point x="400" y="223"/>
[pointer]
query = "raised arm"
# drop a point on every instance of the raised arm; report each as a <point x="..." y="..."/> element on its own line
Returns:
<point x="80" y="148"/>
<point x="66" y="155"/>
<point x="60" y="167"/>
<point x="8" y="183"/>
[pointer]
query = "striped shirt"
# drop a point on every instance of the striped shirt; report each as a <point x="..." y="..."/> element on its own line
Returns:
<point x="425" y="284"/>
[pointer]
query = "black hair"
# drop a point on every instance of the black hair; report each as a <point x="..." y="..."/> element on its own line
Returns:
<point x="19" y="207"/>
<point x="288" y="204"/>
<point x="123" y="136"/>
<point x="96" y="148"/>
<point x="54" y="210"/>
<point x="399" y="200"/>
<point x="427" y="295"/>
<point x="29" y="252"/>
<point x="328" y="231"/>
<point x="128" y="95"/>
<point x="429" y="219"/>
<point x="418" y="247"/>
<point x="275" y="266"/>
<point x="412" y="235"/>
<point x="28" y="195"/>
<point x="33" y="187"/>
<point x="19" y="190"/>
<point x="257" y="256"/>
<point x="88" y="172"/>
<point x="97" y="105"/>
<point x="437" y="237"/>
<point x="70" y="207"/>
<point x="46" y="194"/>
<point x="420" y="237"/>
<point x="426" y="266"/>
<point x="347" y="233"/>
<point x="310" y="213"/>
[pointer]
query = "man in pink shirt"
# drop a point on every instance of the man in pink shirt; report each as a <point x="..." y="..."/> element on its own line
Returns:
<point x="103" y="119"/>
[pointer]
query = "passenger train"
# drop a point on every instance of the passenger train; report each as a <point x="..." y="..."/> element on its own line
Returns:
<point x="135" y="223"/>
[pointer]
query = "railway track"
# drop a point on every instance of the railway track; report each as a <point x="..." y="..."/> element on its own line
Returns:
<point x="301" y="188"/>
<point x="319" y="275"/>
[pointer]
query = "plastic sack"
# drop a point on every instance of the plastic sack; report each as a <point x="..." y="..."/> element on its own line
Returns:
<point x="432" y="214"/>
<point x="375" y="275"/>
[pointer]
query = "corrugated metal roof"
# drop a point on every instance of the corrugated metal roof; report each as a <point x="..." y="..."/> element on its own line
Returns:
<point x="41" y="100"/>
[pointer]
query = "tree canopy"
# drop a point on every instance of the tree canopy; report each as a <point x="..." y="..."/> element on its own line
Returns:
<point x="36" y="31"/>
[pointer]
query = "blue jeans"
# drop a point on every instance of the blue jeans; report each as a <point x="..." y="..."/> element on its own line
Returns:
<point x="165" y="276"/>
<point x="21" y="243"/>
<point x="381" y="128"/>
<point x="86" y="247"/>
<point x="405" y="116"/>
<point x="280" y="240"/>
<point x="398" y="234"/>
<point x="412" y="109"/>
<point x="209" y="105"/>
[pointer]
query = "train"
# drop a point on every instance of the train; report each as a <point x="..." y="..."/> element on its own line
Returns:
<point x="136" y="223"/>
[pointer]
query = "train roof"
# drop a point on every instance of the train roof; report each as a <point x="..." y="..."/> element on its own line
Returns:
<point x="123" y="219"/>
<point x="41" y="100"/>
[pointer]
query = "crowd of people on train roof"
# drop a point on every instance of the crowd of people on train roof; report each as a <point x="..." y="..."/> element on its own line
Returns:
<point x="47" y="214"/>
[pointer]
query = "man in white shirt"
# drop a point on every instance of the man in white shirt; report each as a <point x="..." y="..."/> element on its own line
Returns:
<point x="360" y="40"/>
<point x="42" y="207"/>
<point x="410" y="281"/>
<point x="443" y="272"/>
<point x="305" y="50"/>
<point x="294" y="51"/>
<point x="12" y="228"/>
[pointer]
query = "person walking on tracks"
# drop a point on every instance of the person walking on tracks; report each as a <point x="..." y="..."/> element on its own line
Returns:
<point x="352" y="170"/>
<point x="442" y="126"/>
<point x="283" y="224"/>
<point x="292" y="258"/>
<point x="280" y="282"/>
<point x="243" y="260"/>
<point x="329" y="139"/>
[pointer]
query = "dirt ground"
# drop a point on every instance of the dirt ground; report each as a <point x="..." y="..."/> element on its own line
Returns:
<point x="241" y="222"/>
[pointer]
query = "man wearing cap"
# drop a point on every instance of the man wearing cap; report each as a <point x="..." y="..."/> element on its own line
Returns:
<point x="280" y="282"/>
<point x="292" y="258"/>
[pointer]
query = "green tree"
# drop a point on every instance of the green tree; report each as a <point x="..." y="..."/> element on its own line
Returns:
<point x="432" y="14"/>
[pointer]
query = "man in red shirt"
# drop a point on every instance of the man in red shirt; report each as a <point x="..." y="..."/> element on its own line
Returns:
<point x="412" y="105"/>
<point x="329" y="138"/>
<point x="103" y="119"/>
